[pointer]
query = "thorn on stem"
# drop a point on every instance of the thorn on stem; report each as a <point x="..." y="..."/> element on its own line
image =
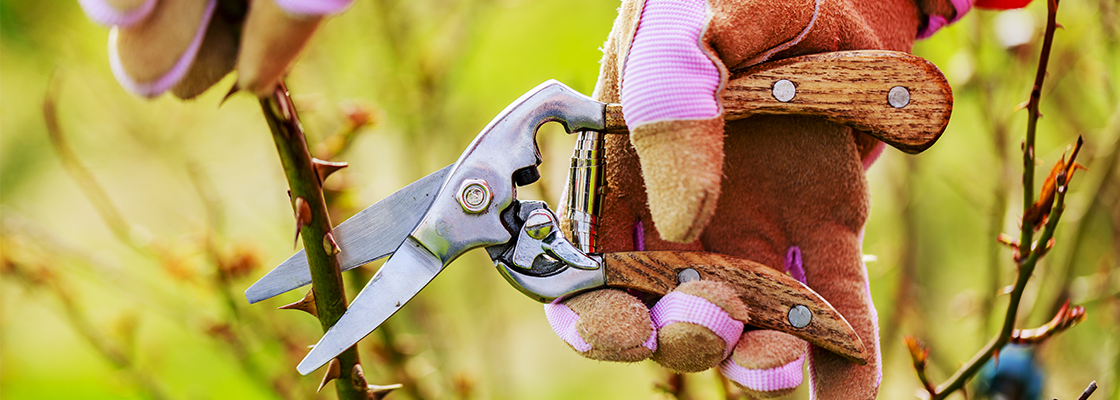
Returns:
<point x="326" y="168"/>
<point x="303" y="216"/>
<point x="330" y="245"/>
<point x="307" y="304"/>
<point x="378" y="392"/>
<point x="333" y="371"/>
<point x="357" y="377"/>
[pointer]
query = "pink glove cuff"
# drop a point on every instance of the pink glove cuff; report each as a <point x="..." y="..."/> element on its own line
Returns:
<point x="177" y="71"/>
<point x="105" y="14"/>
<point x="667" y="75"/>
<point x="680" y="307"/>
<point x="936" y="22"/>
<point x="788" y="376"/>
<point x="563" y="321"/>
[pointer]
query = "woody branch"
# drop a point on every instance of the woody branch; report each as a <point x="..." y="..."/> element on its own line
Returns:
<point x="1042" y="213"/>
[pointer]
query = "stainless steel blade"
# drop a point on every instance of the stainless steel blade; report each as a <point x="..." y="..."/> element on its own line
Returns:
<point x="369" y="235"/>
<point x="402" y="276"/>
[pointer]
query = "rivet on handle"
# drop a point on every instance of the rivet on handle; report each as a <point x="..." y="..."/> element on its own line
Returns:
<point x="784" y="90"/>
<point x="898" y="97"/>
<point x="687" y="275"/>
<point x="800" y="316"/>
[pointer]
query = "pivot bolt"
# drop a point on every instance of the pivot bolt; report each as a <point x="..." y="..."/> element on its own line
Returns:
<point x="474" y="196"/>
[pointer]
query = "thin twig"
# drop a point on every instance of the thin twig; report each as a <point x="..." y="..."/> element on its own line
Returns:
<point x="1088" y="391"/>
<point x="307" y="195"/>
<point x="96" y="194"/>
<point x="1027" y="256"/>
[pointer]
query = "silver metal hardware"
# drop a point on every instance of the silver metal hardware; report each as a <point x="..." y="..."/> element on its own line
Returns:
<point x="784" y="90"/>
<point x="800" y="316"/>
<point x="474" y="196"/>
<point x="687" y="275"/>
<point x="551" y="242"/>
<point x="585" y="180"/>
<point x="898" y="97"/>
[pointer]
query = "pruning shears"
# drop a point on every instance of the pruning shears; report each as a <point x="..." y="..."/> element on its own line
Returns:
<point x="472" y="203"/>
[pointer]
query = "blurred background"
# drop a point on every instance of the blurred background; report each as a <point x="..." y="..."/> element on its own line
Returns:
<point x="128" y="237"/>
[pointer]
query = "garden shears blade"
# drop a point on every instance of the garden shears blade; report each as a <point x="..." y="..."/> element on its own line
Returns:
<point x="464" y="214"/>
<point x="369" y="235"/>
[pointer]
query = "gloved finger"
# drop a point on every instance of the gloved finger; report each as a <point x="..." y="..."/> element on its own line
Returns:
<point x="698" y="325"/>
<point x="605" y="325"/>
<point x="766" y="363"/>
<point x="669" y="99"/>
<point x="117" y="12"/>
<point x="153" y="55"/>
<point x="275" y="33"/>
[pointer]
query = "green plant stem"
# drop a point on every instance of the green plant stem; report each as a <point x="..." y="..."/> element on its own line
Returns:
<point x="304" y="182"/>
<point x="1027" y="258"/>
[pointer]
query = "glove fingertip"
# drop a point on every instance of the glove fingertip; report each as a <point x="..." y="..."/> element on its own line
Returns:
<point x="563" y="321"/>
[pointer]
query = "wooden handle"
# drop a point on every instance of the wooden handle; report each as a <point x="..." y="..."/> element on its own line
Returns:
<point x="770" y="295"/>
<point x="853" y="88"/>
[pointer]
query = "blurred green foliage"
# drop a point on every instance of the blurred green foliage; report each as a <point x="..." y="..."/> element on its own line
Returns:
<point x="87" y="312"/>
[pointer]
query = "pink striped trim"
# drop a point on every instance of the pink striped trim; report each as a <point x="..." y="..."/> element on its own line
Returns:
<point x="784" y="377"/>
<point x="177" y="71"/>
<point x="651" y="343"/>
<point x="681" y="307"/>
<point x="936" y="22"/>
<point x="667" y="75"/>
<point x="105" y="14"/>
<point x="314" y="7"/>
<point x="563" y="321"/>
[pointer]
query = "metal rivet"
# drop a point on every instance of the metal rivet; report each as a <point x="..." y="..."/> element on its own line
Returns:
<point x="800" y="316"/>
<point x="898" y="97"/>
<point x="784" y="90"/>
<point x="474" y="195"/>
<point x="687" y="275"/>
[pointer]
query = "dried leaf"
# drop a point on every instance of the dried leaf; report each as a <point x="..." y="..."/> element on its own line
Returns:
<point x="1060" y="175"/>
<point x="1065" y="318"/>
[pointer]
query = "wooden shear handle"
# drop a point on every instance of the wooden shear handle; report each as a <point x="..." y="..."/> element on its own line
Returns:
<point x="896" y="97"/>
<point x="770" y="295"/>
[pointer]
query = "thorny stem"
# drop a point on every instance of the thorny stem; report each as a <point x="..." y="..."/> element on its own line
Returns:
<point x="1027" y="257"/>
<point x="303" y="180"/>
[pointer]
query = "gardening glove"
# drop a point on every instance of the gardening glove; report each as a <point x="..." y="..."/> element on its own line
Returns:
<point x="771" y="189"/>
<point x="186" y="46"/>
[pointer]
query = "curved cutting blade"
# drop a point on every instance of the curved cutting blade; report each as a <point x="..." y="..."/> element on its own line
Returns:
<point x="409" y="269"/>
<point x="369" y="235"/>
